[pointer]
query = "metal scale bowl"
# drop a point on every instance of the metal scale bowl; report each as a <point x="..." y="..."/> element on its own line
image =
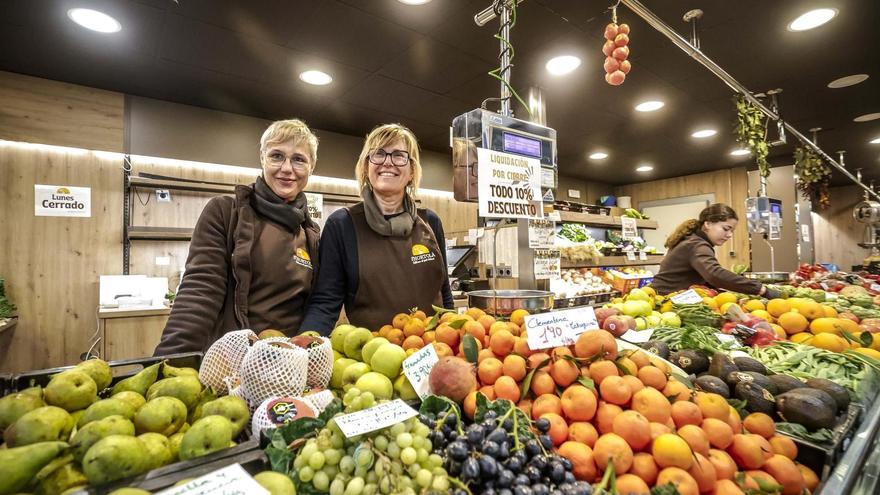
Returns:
<point x="504" y="302"/>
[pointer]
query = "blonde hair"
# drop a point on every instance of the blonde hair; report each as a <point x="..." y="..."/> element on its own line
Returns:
<point x="282" y="131"/>
<point x="384" y="135"/>
<point x="717" y="212"/>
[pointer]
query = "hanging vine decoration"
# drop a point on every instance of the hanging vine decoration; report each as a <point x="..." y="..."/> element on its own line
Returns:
<point x="814" y="176"/>
<point x="751" y="132"/>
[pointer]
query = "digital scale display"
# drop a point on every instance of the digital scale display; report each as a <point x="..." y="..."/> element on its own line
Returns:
<point x="521" y="145"/>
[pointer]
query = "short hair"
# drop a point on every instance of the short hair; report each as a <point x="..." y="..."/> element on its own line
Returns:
<point x="282" y="131"/>
<point x="384" y="135"/>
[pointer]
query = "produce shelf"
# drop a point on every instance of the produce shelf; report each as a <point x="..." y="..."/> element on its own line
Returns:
<point x="845" y="474"/>
<point x="653" y="259"/>
<point x="159" y="233"/>
<point x="606" y="221"/>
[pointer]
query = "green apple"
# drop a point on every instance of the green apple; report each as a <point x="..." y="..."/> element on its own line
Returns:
<point x="355" y="340"/>
<point x="638" y="295"/>
<point x="377" y="383"/>
<point x="371" y="347"/>
<point x="670" y="319"/>
<point x="641" y="323"/>
<point x="339" y="367"/>
<point x="388" y="359"/>
<point x="311" y="333"/>
<point x="337" y="337"/>
<point x="653" y="321"/>
<point x="352" y="373"/>
<point x="404" y="388"/>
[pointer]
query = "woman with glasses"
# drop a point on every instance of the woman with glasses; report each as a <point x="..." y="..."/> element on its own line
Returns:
<point x="253" y="255"/>
<point x="383" y="255"/>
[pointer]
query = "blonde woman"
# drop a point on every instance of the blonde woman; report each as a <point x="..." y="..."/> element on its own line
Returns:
<point x="253" y="255"/>
<point x="383" y="255"/>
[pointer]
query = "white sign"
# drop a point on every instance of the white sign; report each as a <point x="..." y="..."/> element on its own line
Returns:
<point x="725" y="339"/>
<point x="375" y="418"/>
<point x="509" y="185"/>
<point x="630" y="255"/>
<point x="417" y="368"/>
<point x="548" y="177"/>
<point x="231" y="480"/>
<point x="574" y="193"/>
<point x="555" y="216"/>
<point x="637" y="336"/>
<point x="774" y="227"/>
<point x="559" y="328"/>
<point x="805" y="233"/>
<point x="62" y="201"/>
<point x="542" y="234"/>
<point x="547" y="265"/>
<point x="689" y="296"/>
<point x="316" y="207"/>
<point x="629" y="227"/>
<point x="643" y="256"/>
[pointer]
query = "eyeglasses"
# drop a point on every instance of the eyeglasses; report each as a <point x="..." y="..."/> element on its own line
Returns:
<point x="276" y="160"/>
<point x="399" y="158"/>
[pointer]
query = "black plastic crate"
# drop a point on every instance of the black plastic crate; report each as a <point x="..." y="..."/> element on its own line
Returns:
<point x="823" y="458"/>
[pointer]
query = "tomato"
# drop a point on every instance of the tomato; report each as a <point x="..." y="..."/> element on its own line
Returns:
<point x="621" y="40"/>
<point x="625" y="66"/>
<point x="611" y="31"/>
<point x="608" y="48"/>
<point x="611" y="65"/>
<point x="616" y="78"/>
<point x="620" y="53"/>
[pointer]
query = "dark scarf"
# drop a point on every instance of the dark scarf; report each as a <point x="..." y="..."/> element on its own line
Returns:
<point x="268" y="204"/>
<point x="398" y="225"/>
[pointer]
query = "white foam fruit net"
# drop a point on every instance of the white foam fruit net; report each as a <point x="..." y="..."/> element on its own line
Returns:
<point x="277" y="411"/>
<point x="224" y="358"/>
<point x="274" y="368"/>
<point x="320" y="364"/>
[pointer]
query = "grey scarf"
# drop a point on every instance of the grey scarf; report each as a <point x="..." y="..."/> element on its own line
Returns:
<point x="270" y="205"/>
<point x="399" y="225"/>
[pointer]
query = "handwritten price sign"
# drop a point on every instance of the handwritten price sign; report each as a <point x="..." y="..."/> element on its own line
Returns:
<point x="418" y="367"/>
<point x="559" y="328"/>
<point x="232" y="479"/>
<point x="375" y="418"/>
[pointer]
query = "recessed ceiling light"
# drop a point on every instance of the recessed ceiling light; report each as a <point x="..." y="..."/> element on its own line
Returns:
<point x="867" y="117"/>
<point x="848" y="81"/>
<point x="649" y="106"/>
<point x="812" y="19"/>
<point x="704" y="133"/>
<point x="316" y="77"/>
<point x="94" y="20"/>
<point x="598" y="155"/>
<point x="875" y="141"/>
<point x="740" y="152"/>
<point x="563" y="64"/>
<point x="644" y="168"/>
<point x="414" y="2"/>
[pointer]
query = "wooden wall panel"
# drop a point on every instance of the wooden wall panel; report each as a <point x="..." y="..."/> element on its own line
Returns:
<point x="34" y="110"/>
<point x="730" y="186"/>
<point x="836" y="233"/>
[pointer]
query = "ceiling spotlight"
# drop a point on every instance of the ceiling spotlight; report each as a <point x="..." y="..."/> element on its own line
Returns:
<point x="644" y="168"/>
<point x="867" y="117"/>
<point x="848" y="81"/>
<point x="563" y="64"/>
<point x="598" y="155"/>
<point x="812" y="19"/>
<point x="704" y="133"/>
<point x="649" y="106"/>
<point x="316" y="77"/>
<point x="414" y="2"/>
<point x="875" y="141"/>
<point x="740" y="152"/>
<point x="94" y="20"/>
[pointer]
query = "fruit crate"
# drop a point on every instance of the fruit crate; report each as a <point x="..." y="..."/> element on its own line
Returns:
<point x="622" y="284"/>
<point x="822" y="458"/>
<point x="588" y="300"/>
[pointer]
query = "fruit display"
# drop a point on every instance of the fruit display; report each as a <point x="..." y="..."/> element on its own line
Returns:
<point x="576" y="282"/>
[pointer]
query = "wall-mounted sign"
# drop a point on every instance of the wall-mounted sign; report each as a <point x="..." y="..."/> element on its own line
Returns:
<point x="509" y="185"/>
<point x="62" y="201"/>
<point x="316" y="207"/>
<point x="629" y="228"/>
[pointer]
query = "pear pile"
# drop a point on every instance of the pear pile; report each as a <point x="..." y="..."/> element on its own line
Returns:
<point x="65" y="436"/>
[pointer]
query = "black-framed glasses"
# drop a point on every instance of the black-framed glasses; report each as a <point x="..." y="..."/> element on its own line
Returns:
<point x="276" y="160"/>
<point x="399" y="158"/>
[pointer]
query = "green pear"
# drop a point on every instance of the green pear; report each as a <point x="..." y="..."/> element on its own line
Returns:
<point x="355" y="340"/>
<point x="404" y="388"/>
<point x="62" y="479"/>
<point x="207" y="395"/>
<point x="140" y="382"/>
<point x="129" y="491"/>
<point x="99" y="370"/>
<point x="114" y="458"/>
<point x="71" y="390"/>
<point x="163" y="415"/>
<point x="185" y="388"/>
<point x="56" y="463"/>
<point x="233" y="408"/>
<point x="276" y="483"/>
<point x="14" y="406"/>
<point x="339" y="366"/>
<point x="19" y="465"/>
<point x="174" y="443"/>
<point x="209" y="434"/>
<point x="36" y="391"/>
<point x="93" y="432"/>
<point x="104" y="408"/>
<point x="371" y="347"/>
<point x="169" y="371"/>
<point x="44" y="424"/>
<point x="135" y="399"/>
<point x="337" y="337"/>
<point x="158" y="449"/>
<point x="352" y="373"/>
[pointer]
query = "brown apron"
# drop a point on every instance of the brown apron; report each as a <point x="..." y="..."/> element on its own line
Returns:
<point x="395" y="274"/>
<point x="281" y="279"/>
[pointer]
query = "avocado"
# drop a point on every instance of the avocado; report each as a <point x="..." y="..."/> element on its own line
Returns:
<point x="712" y="384"/>
<point x="692" y="362"/>
<point x="745" y="363"/>
<point x="807" y="409"/>
<point x="657" y="347"/>
<point x="838" y="392"/>
<point x="784" y="383"/>
<point x="721" y="365"/>
<point x="822" y="395"/>
<point x="757" y="398"/>
<point x="762" y="381"/>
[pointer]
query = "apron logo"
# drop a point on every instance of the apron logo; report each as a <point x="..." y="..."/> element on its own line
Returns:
<point x="301" y="257"/>
<point x="421" y="254"/>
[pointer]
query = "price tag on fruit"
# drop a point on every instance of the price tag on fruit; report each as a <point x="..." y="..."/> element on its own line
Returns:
<point x="559" y="328"/>
<point x="637" y="336"/>
<point x="417" y="368"/>
<point x="375" y="418"/>
<point x="231" y="479"/>
<point x="689" y="296"/>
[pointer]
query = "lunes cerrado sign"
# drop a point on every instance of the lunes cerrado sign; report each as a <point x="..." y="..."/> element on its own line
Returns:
<point x="509" y="185"/>
<point x="62" y="201"/>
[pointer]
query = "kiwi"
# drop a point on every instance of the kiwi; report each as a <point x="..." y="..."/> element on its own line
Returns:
<point x="762" y="381"/>
<point x="784" y="383"/>
<point x="757" y="398"/>
<point x="712" y="384"/>
<point x="838" y="392"/>
<point x="745" y="363"/>
<point x="721" y="365"/>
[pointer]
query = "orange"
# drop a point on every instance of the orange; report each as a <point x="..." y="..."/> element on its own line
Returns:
<point x="712" y="405"/>
<point x="811" y="480"/>
<point x="446" y="334"/>
<point x="395" y="336"/>
<point x="651" y="376"/>
<point x="415" y="327"/>
<point x="627" y="364"/>
<point x="640" y="358"/>
<point x="784" y="446"/>
<point x="763" y="444"/>
<point x="521" y="347"/>
<point x="475" y="329"/>
<point x="419" y="314"/>
<point x="429" y="337"/>
<point x="677" y="389"/>
<point x="727" y="487"/>
<point x="542" y="383"/>
<point x="518" y="316"/>
<point x="413" y="342"/>
<point x="632" y="484"/>
<point x="751" y="475"/>
<point x="486" y="321"/>
<point x="725" y="468"/>
<point x="653" y="405"/>
<point x="632" y="427"/>
<point x="695" y="437"/>
<point x="582" y="460"/>
<point x="644" y="467"/>
<point x="777" y="307"/>
<point x="599" y="370"/>
<point x="558" y="428"/>
<point x="733" y="421"/>
<point x="703" y="473"/>
<point x="612" y="449"/>
<point x="578" y="403"/>
<point x="502" y="342"/>
<point x="596" y="343"/>
<point x="686" y="413"/>
<point x="658" y="429"/>
<point x="811" y="309"/>
<point x="479" y="346"/>
<point x="583" y="432"/>
<point x="544" y="404"/>
<point x="564" y="372"/>
<point x="383" y="332"/>
<point x="400" y="320"/>
<point x="719" y="433"/>
<point x="786" y="472"/>
<point x="670" y="450"/>
<point x="634" y="383"/>
<point x="793" y="322"/>
<point x="489" y="370"/>
<point x="488" y="391"/>
<point x="515" y="367"/>
<point x="558" y="352"/>
<point x="442" y="349"/>
<point x="746" y="452"/>
<point x="615" y="390"/>
<point x="754" y="305"/>
<point x="470" y="404"/>
<point x="536" y="359"/>
<point x="684" y="482"/>
<point x="485" y="354"/>
<point x="760" y="424"/>
<point x="506" y="388"/>
<point x="498" y="326"/>
<point x="474" y="313"/>
<point x="525" y="405"/>
<point x="605" y="414"/>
